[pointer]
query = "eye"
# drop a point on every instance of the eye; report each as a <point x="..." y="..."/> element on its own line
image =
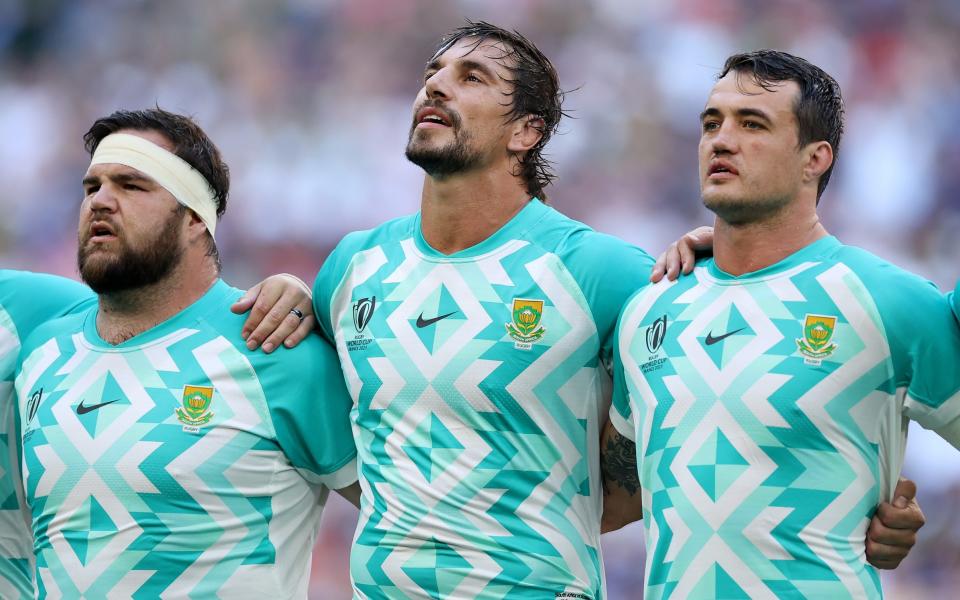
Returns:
<point x="752" y="125"/>
<point x="90" y="189"/>
<point x="133" y="187"/>
<point x="711" y="125"/>
<point x="428" y="75"/>
<point x="473" y="78"/>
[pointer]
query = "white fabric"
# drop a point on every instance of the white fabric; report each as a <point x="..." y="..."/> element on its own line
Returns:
<point x="173" y="173"/>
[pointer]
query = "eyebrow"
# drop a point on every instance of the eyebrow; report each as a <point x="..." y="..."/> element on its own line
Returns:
<point x="740" y="112"/>
<point x="118" y="178"/>
<point x="466" y="63"/>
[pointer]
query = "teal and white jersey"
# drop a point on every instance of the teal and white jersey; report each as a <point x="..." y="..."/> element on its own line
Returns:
<point x="479" y="382"/>
<point x="26" y="301"/>
<point x="955" y="300"/>
<point x="178" y="463"/>
<point x="769" y="412"/>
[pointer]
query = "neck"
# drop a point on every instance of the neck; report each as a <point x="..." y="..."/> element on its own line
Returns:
<point x="125" y="314"/>
<point x="461" y="211"/>
<point x="747" y="247"/>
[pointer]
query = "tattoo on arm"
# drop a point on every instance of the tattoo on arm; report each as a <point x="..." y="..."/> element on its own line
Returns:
<point x="618" y="462"/>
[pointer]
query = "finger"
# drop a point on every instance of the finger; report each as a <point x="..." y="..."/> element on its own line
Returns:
<point x="905" y="488"/>
<point x="673" y="260"/>
<point x="702" y="238"/>
<point x="284" y="330"/>
<point x="264" y="316"/>
<point x="659" y="268"/>
<point x="885" y="557"/>
<point x="908" y="518"/>
<point x="687" y="256"/>
<point x="246" y="300"/>
<point x="881" y="534"/>
<point x="301" y="332"/>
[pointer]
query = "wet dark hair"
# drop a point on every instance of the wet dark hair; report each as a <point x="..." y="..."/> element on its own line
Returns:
<point x="536" y="91"/>
<point x="818" y="108"/>
<point x="189" y="141"/>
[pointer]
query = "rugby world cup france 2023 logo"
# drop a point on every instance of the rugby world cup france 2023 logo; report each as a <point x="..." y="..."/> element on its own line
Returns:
<point x="656" y="333"/>
<point x="362" y="313"/>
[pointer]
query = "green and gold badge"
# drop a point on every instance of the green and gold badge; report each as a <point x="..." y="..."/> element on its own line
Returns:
<point x="526" y="328"/>
<point x="195" y="411"/>
<point x="817" y="335"/>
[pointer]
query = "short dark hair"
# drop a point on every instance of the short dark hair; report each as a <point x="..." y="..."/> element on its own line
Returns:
<point x="536" y="91"/>
<point x="189" y="141"/>
<point x="819" y="107"/>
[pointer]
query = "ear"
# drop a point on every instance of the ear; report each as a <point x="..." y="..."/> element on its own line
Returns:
<point x="819" y="157"/>
<point x="525" y="134"/>
<point x="196" y="228"/>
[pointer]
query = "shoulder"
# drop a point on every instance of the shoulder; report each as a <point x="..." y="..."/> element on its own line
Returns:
<point x="892" y="287"/>
<point x="392" y="230"/>
<point x="588" y="253"/>
<point x="282" y="369"/>
<point x="33" y="298"/>
<point x="59" y="328"/>
<point x="355" y="243"/>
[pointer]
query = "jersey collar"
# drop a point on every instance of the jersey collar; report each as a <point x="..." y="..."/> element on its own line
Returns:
<point x="810" y="253"/>
<point x="513" y="229"/>
<point x="215" y="297"/>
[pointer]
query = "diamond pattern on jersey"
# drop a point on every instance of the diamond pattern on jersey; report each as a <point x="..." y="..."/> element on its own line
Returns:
<point x="435" y="333"/>
<point x="126" y="501"/>
<point x="16" y="545"/>
<point x="749" y="457"/>
<point x="473" y="449"/>
<point x="717" y="464"/>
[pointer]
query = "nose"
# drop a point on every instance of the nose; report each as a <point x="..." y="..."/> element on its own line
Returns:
<point x="437" y="86"/>
<point x="103" y="200"/>
<point x="723" y="140"/>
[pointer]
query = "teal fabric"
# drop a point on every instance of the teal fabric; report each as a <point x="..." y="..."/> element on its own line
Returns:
<point x="479" y="381"/>
<point x="26" y="301"/>
<point x="178" y="462"/>
<point x="770" y="417"/>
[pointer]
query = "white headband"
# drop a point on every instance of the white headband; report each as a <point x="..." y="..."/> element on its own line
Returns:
<point x="173" y="173"/>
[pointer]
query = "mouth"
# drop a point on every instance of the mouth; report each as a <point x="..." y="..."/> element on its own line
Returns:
<point x="429" y="117"/>
<point x="100" y="232"/>
<point x="721" y="170"/>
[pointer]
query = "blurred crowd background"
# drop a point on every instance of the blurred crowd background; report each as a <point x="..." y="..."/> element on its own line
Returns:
<point x="310" y="102"/>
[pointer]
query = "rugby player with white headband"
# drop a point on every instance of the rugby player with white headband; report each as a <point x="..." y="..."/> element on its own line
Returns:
<point x="162" y="456"/>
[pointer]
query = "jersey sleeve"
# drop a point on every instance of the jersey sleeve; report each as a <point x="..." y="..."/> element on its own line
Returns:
<point x="329" y="279"/>
<point x="954" y="298"/>
<point x="621" y="413"/>
<point x="310" y="409"/>
<point x="609" y="271"/>
<point x="31" y="299"/>
<point x="924" y="337"/>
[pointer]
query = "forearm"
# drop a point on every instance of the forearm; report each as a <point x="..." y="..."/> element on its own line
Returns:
<point x="621" y="481"/>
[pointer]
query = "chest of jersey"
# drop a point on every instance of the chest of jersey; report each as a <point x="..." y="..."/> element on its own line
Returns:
<point x="466" y="338"/>
<point x="144" y="426"/>
<point x="763" y="413"/>
<point x="772" y="359"/>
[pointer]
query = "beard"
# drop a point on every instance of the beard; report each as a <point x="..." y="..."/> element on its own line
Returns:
<point x="741" y="211"/>
<point x="455" y="157"/>
<point x="131" y="267"/>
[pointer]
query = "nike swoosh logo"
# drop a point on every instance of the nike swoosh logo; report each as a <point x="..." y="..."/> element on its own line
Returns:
<point x="82" y="410"/>
<point x="421" y="322"/>
<point x="713" y="340"/>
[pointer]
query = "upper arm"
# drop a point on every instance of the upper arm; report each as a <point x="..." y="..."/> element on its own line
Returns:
<point x="310" y="409"/>
<point x="924" y="337"/>
<point x="608" y="271"/>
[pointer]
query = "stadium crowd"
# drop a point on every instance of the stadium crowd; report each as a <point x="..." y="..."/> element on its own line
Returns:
<point x="310" y="103"/>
